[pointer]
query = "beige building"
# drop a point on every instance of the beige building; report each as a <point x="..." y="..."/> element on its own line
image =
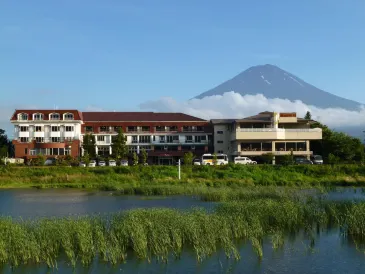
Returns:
<point x="267" y="132"/>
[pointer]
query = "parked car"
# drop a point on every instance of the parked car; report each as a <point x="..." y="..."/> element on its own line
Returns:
<point x="303" y="161"/>
<point x="244" y="161"/>
<point x="124" y="162"/>
<point x="102" y="163"/>
<point x="92" y="163"/>
<point x="82" y="164"/>
<point x="112" y="163"/>
<point x="196" y="162"/>
<point x="317" y="159"/>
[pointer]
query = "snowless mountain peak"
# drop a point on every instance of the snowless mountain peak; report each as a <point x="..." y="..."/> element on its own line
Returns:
<point x="274" y="82"/>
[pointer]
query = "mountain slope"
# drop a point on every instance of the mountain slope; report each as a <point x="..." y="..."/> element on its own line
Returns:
<point x="274" y="82"/>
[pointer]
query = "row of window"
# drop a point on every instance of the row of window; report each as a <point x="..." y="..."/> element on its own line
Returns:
<point x="162" y="139"/>
<point x="144" y="128"/>
<point x="40" y="116"/>
<point x="45" y="140"/>
<point x="41" y="129"/>
<point x="48" y="151"/>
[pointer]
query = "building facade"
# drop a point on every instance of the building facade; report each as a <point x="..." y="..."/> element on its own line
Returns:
<point x="166" y="137"/>
<point x="268" y="132"/>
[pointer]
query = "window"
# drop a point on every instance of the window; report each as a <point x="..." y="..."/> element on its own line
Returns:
<point x="24" y="139"/>
<point x="104" y="129"/>
<point x="162" y="139"/>
<point x="220" y="132"/>
<point x="117" y="128"/>
<point x="26" y="151"/>
<point x="187" y="128"/>
<point x="89" y="129"/>
<point x="146" y="128"/>
<point x="199" y="128"/>
<point x="220" y="142"/>
<point x="68" y="139"/>
<point x="203" y="137"/>
<point x="55" y="128"/>
<point x="145" y="139"/>
<point x="23" y="116"/>
<point x="24" y="128"/>
<point x="189" y="139"/>
<point x="172" y="139"/>
<point x="55" y="139"/>
<point x="38" y="129"/>
<point x="198" y="139"/>
<point x="144" y="147"/>
<point x="173" y="128"/>
<point x="132" y="149"/>
<point x="68" y="116"/>
<point x="220" y="151"/>
<point x="132" y="128"/>
<point x="134" y="139"/>
<point x="103" y="151"/>
<point x="38" y="116"/>
<point x="101" y="138"/>
<point x="39" y="139"/>
<point x="160" y="128"/>
<point x="69" y="128"/>
<point x="54" y="116"/>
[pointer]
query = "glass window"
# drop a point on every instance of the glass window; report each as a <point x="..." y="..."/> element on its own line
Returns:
<point x="68" y="116"/>
<point x="220" y="132"/>
<point x="39" y="139"/>
<point x="134" y="139"/>
<point x="38" y="116"/>
<point x="38" y="129"/>
<point x="101" y="138"/>
<point x="189" y="138"/>
<point x="24" y="129"/>
<point x="89" y="129"/>
<point x="23" y="116"/>
<point x="24" y="139"/>
<point x="131" y="128"/>
<point x="160" y="128"/>
<point x="54" y="116"/>
<point x="104" y="129"/>
<point x="55" y="139"/>
<point x="145" y="139"/>
<point x="55" y="128"/>
<point x="146" y="128"/>
<point x="220" y="142"/>
<point x="117" y="128"/>
<point x="69" y="128"/>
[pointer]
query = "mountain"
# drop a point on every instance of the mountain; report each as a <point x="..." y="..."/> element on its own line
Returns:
<point x="273" y="82"/>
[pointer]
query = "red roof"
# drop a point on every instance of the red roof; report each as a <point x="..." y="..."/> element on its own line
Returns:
<point x="138" y="116"/>
<point x="77" y="114"/>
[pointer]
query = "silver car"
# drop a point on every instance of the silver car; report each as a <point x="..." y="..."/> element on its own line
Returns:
<point x="92" y="163"/>
<point x="102" y="163"/>
<point x="112" y="163"/>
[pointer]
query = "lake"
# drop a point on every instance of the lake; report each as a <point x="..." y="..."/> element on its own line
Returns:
<point x="331" y="253"/>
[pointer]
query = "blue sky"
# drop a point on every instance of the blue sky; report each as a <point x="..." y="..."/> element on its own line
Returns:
<point x="117" y="54"/>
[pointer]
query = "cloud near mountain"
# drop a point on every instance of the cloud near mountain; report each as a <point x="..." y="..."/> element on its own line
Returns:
<point x="235" y="105"/>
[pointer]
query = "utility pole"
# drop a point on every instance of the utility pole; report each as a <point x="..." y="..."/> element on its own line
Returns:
<point x="179" y="164"/>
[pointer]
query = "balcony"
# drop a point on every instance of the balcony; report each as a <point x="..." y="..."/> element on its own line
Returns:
<point x="275" y="153"/>
<point x="277" y="134"/>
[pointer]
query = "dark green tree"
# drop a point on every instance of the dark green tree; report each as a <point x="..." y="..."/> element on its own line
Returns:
<point x="308" y="116"/>
<point x="119" y="147"/>
<point x="5" y="144"/>
<point x="144" y="156"/>
<point x="188" y="158"/>
<point x="135" y="159"/>
<point x="89" y="145"/>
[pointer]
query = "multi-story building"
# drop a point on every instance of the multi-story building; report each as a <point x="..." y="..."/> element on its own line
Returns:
<point x="46" y="132"/>
<point x="267" y="132"/>
<point x="165" y="136"/>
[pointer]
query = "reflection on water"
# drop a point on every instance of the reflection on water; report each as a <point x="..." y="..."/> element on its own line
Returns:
<point x="65" y="202"/>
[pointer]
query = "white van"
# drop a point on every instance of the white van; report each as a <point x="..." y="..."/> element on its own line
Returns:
<point x="207" y="159"/>
<point x="244" y="161"/>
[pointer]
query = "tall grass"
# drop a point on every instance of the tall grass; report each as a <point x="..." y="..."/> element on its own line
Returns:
<point x="159" y="233"/>
<point x="156" y="179"/>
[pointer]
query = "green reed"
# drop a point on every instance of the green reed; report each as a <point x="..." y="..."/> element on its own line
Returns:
<point x="163" y="234"/>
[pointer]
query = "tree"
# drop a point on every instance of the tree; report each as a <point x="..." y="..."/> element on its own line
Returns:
<point x="188" y="158"/>
<point x="119" y="146"/>
<point x="5" y="144"/>
<point x="39" y="161"/>
<point x="267" y="158"/>
<point x="308" y="116"/>
<point x="342" y="146"/>
<point x="86" y="158"/>
<point x="144" y="157"/>
<point x="89" y="145"/>
<point x="135" y="159"/>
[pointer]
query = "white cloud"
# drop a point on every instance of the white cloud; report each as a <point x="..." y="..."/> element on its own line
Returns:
<point x="234" y="105"/>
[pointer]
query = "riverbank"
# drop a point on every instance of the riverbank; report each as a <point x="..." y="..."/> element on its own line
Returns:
<point x="163" y="234"/>
<point x="163" y="180"/>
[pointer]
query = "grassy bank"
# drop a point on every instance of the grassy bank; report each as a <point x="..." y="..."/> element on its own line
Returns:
<point x="162" y="233"/>
<point x="162" y="180"/>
